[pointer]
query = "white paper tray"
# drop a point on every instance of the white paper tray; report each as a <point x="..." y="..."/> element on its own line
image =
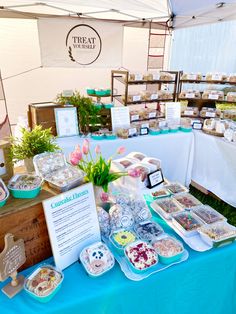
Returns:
<point x="195" y="242"/>
<point x="130" y="274"/>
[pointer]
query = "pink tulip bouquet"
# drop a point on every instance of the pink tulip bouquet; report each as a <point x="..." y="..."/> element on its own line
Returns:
<point x="97" y="169"/>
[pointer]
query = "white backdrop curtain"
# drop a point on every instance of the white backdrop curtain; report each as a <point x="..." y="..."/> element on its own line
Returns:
<point x="206" y="48"/>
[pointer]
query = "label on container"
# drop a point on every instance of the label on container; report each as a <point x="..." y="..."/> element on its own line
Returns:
<point x="132" y="131"/>
<point x="138" y="77"/>
<point x="210" y="114"/>
<point x="213" y="96"/>
<point x="136" y="98"/>
<point x="145" y="125"/>
<point x="125" y="221"/>
<point x="197" y="125"/>
<point x="156" y="76"/>
<point x="143" y="131"/>
<point x="216" y="77"/>
<point x="154" y="96"/>
<point x="188" y="112"/>
<point x="162" y="124"/>
<point x="134" y="117"/>
<point x="191" y="76"/>
<point x="190" y="95"/>
<point x="152" y="115"/>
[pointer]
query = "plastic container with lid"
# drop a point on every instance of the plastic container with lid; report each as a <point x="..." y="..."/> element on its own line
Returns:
<point x="154" y="131"/>
<point x="166" y="207"/>
<point x="140" y="210"/>
<point x="162" y="193"/>
<point x="121" y="217"/>
<point x="43" y="283"/>
<point x="187" y="223"/>
<point x="218" y="234"/>
<point x="187" y="200"/>
<point x="148" y="230"/>
<point x="121" y="238"/>
<point x="207" y="214"/>
<point x="213" y="94"/>
<point x="189" y="94"/>
<point x="210" y="113"/>
<point x="169" y="249"/>
<point x="140" y="256"/>
<point x="53" y="168"/>
<point x="104" y="222"/>
<point x="97" y="259"/>
<point x="25" y="186"/>
<point x="4" y="193"/>
<point x="176" y="188"/>
<point x="231" y="96"/>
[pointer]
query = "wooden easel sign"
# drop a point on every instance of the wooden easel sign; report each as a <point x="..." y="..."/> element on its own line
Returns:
<point x="11" y="259"/>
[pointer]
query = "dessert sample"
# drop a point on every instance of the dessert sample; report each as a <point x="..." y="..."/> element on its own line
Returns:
<point x="121" y="238"/>
<point x="187" y="222"/>
<point x="97" y="259"/>
<point x="25" y="182"/>
<point x="213" y="94"/>
<point x="186" y="200"/>
<point x="141" y="255"/>
<point x="169" y="249"/>
<point x="148" y="231"/>
<point x="166" y="207"/>
<point x="43" y="282"/>
<point x="161" y="193"/>
<point x="218" y="231"/>
<point x="176" y="188"/>
<point x="208" y="214"/>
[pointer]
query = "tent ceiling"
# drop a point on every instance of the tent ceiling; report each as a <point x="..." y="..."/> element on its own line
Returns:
<point x="184" y="12"/>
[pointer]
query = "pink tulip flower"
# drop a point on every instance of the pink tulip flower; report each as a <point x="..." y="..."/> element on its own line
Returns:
<point x="98" y="149"/>
<point x="104" y="197"/>
<point x="75" y="158"/>
<point x="121" y="150"/>
<point x="85" y="147"/>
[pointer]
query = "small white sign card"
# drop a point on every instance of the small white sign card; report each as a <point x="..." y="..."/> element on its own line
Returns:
<point x="66" y="121"/>
<point x="173" y="112"/>
<point x="120" y="118"/>
<point x="72" y="223"/>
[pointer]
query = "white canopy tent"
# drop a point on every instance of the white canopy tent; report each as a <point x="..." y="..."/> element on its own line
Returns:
<point x="178" y="13"/>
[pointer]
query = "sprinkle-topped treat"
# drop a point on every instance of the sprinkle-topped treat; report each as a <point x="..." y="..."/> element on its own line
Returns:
<point x="43" y="281"/>
<point x="123" y="237"/>
<point x="187" y="221"/>
<point x="148" y="231"/>
<point x="208" y="214"/>
<point x="187" y="200"/>
<point x="141" y="255"/>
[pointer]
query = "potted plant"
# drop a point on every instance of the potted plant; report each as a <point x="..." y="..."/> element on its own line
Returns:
<point x="30" y="144"/>
<point x="87" y="112"/>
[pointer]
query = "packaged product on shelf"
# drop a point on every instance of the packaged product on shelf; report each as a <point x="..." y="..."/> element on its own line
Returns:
<point x="145" y="95"/>
<point x="126" y="132"/>
<point x="217" y="234"/>
<point x="190" y="111"/>
<point x="213" y="94"/>
<point x="25" y="186"/>
<point x="148" y="76"/>
<point x="169" y="249"/>
<point x="166" y="95"/>
<point x="210" y="113"/>
<point x="134" y="115"/>
<point x="232" y="77"/>
<point x="151" y="113"/>
<point x="230" y="133"/>
<point x="148" y="231"/>
<point x="121" y="217"/>
<point x="216" y="77"/>
<point x="187" y="222"/>
<point x="215" y="126"/>
<point x="135" y="77"/>
<point x="97" y="259"/>
<point x="166" y="76"/>
<point x="141" y="256"/>
<point x="231" y="96"/>
<point x="54" y="169"/>
<point x="43" y="283"/>
<point x="153" y="123"/>
<point x="4" y="193"/>
<point x="190" y="93"/>
<point x="230" y="114"/>
<point x="132" y="97"/>
<point x="191" y="76"/>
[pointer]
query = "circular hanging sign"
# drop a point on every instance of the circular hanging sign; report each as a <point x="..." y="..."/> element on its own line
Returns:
<point x="84" y="44"/>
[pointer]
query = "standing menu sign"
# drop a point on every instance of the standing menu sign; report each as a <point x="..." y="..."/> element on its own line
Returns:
<point x="72" y="223"/>
<point x="173" y="112"/>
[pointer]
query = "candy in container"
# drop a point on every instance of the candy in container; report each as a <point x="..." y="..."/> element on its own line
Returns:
<point x="121" y="217"/>
<point x="148" y="230"/>
<point x="121" y="238"/>
<point x="25" y="186"/>
<point x="188" y="223"/>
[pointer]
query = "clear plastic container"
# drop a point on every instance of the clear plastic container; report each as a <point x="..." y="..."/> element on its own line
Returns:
<point x="210" y="113"/>
<point x="218" y="234"/>
<point x="140" y="210"/>
<point x="187" y="223"/>
<point x="43" y="283"/>
<point x="141" y="256"/>
<point x="169" y="249"/>
<point x="207" y="214"/>
<point x="187" y="200"/>
<point x="166" y="207"/>
<point x="121" y="238"/>
<point x="148" y="230"/>
<point x="25" y="186"/>
<point x="4" y="193"/>
<point x="97" y="259"/>
<point x="121" y="217"/>
<point x="104" y="222"/>
<point x="161" y="193"/>
<point x="53" y="168"/>
<point x="176" y="188"/>
<point x="213" y="94"/>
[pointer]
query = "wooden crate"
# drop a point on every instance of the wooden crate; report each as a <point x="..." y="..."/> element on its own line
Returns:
<point x="25" y="219"/>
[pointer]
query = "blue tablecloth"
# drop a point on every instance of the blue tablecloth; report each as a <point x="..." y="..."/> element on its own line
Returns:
<point x="204" y="284"/>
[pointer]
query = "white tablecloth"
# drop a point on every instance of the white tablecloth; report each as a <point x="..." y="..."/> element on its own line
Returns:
<point x="174" y="150"/>
<point x="214" y="166"/>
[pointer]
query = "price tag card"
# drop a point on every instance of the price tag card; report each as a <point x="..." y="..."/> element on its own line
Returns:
<point x="138" y="77"/>
<point x="173" y="112"/>
<point x="213" y="96"/>
<point x="210" y="114"/>
<point x="154" y="96"/>
<point x="156" y="76"/>
<point x="136" y="98"/>
<point x="143" y="131"/>
<point x="152" y="115"/>
<point x="190" y="95"/>
<point x="155" y="178"/>
<point x="197" y="125"/>
<point x="192" y="76"/>
<point x="216" y="77"/>
<point x="132" y="132"/>
<point x="145" y="125"/>
<point x="134" y="117"/>
<point x="188" y="112"/>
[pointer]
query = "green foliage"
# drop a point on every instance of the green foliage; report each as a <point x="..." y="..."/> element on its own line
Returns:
<point x="87" y="112"/>
<point x="32" y="143"/>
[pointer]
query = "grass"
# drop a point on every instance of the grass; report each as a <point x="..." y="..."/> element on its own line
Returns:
<point x="225" y="209"/>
